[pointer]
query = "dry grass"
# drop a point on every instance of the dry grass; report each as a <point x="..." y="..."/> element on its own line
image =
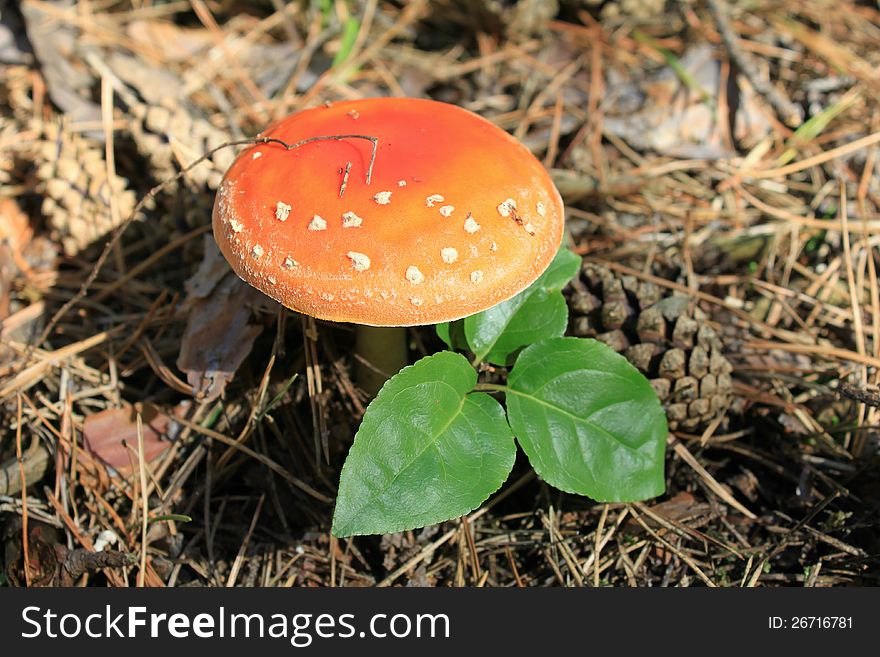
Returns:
<point x="773" y="232"/>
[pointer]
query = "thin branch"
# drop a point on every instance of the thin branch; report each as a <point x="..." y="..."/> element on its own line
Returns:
<point x="859" y="394"/>
<point x="787" y="111"/>
<point x="75" y="563"/>
<point x="344" y="179"/>
<point x="290" y="147"/>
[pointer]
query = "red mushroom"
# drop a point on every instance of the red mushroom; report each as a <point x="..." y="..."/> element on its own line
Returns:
<point x="451" y="217"/>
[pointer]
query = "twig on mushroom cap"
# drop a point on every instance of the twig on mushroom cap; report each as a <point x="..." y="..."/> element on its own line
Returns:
<point x="344" y="179"/>
<point x="117" y="234"/>
<point x="309" y="140"/>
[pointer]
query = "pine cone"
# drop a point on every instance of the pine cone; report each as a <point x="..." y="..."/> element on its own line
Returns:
<point x="15" y="92"/>
<point x="159" y="130"/>
<point x="169" y="130"/>
<point x="662" y="335"/>
<point x="185" y="208"/>
<point x="16" y="108"/>
<point x="73" y="178"/>
<point x="640" y="10"/>
<point x="9" y="135"/>
<point x="520" y="17"/>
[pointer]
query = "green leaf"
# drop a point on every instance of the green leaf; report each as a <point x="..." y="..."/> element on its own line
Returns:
<point x="589" y="422"/>
<point x="428" y="450"/>
<point x="325" y="7"/>
<point x="536" y="313"/>
<point x="452" y="333"/>
<point x="444" y="332"/>
<point x="277" y="398"/>
<point x="350" y="30"/>
<point x="177" y="517"/>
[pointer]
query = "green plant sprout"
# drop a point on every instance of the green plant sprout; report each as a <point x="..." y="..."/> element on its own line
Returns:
<point x="435" y="443"/>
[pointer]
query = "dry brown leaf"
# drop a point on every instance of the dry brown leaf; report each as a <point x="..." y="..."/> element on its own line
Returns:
<point x="212" y="269"/>
<point x="15" y="230"/>
<point x="21" y="255"/>
<point x="174" y="43"/>
<point x="56" y="47"/>
<point x="14" y="47"/>
<point x="666" y="115"/>
<point x="111" y="435"/>
<point x="7" y="273"/>
<point x="218" y="335"/>
<point x="15" y="234"/>
<point x="676" y="509"/>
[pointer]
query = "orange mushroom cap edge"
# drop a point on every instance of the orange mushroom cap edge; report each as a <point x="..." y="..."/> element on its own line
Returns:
<point x="458" y="216"/>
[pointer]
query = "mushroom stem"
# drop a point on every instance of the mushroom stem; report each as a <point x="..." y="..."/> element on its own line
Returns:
<point x="380" y="354"/>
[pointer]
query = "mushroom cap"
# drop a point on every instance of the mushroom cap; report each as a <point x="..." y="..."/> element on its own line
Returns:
<point x="458" y="216"/>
